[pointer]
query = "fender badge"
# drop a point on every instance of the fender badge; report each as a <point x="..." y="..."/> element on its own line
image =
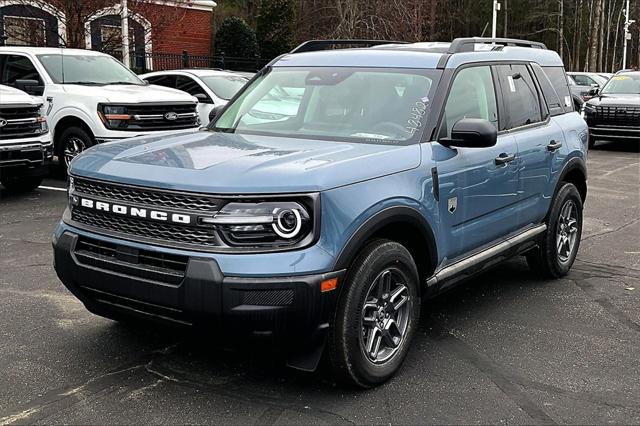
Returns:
<point x="452" y="204"/>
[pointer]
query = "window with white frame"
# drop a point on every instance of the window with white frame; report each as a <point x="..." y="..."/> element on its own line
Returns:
<point x="25" y="31"/>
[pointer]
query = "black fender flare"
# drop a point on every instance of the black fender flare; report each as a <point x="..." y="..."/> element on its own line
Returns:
<point x="390" y="215"/>
<point x="575" y="163"/>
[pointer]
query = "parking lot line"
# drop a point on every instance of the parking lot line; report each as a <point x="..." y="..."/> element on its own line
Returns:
<point x="53" y="188"/>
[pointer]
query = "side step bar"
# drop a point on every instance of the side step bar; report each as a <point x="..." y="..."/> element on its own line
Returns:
<point x="485" y="256"/>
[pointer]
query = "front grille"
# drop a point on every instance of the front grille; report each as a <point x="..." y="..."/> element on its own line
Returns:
<point x="151" y="117"/>
<point x="161" y="231"/>
<point x="17" y="129"/>
<point x="617" y="116"/>
<point x="148" y="197"/>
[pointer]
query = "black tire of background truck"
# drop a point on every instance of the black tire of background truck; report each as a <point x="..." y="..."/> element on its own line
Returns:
<point x="68" y="136"/>
<point x="348" y="359"/>
<point x="18" y="184"/>
<point x="545" y="260"/>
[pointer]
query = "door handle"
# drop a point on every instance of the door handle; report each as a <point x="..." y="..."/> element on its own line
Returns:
<point x="554" y="146"/>
<point x="505" y="158"/>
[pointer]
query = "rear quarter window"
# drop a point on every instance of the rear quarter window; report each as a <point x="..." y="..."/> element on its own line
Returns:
<point x="551" y="97"/>
<point x="558" y="80"/>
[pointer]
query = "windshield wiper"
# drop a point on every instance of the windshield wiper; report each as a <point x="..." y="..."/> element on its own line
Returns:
<point x="85" y="83"/>
<point x="129" y="83"/>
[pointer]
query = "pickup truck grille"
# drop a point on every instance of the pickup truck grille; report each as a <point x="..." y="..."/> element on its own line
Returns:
<point x="20" y="122"/>
<point x="192" y="234"/>
<point x="158" y="117"/>
<point x="617" y="116"/>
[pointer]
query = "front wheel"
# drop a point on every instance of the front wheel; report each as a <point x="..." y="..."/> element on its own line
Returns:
<point x="19" y="184"/>
<point x="72" y="142"/>
<point x="560" y="243"/>
<point x="377" y="315"/>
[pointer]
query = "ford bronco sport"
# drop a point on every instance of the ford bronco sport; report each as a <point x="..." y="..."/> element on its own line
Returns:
<point x="403" y="169"/>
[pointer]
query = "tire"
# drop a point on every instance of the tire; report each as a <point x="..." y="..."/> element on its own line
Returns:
<point x="381" y="261"/>
<point x="72" y="142"/>
<point x="552" y="259"/>
<point x="19" y="184"/>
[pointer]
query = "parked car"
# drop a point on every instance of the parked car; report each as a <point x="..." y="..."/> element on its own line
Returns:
<point x="590" y="79"/>
<point x="212" y="88"/>
<point x="614" y="111"/>
<point x="606" y="75"/>
<point x="404" y="171"/>
<point x="25" y="143"/>
<point x="93" y="98"/>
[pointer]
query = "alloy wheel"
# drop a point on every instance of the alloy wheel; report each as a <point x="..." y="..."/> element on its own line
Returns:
<point x="72" y="148"/>
<point x="567" y="231"/>
<point x="385" y="316"/>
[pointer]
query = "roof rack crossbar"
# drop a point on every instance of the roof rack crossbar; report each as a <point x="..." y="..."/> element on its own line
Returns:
<point x="460" y="45"/>
<point x="314" y="45"/>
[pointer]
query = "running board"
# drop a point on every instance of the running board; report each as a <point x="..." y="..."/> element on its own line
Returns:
<point x="458" y="268"/>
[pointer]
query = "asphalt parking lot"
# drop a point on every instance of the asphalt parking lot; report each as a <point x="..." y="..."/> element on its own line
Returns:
<point x="505" y="347"/>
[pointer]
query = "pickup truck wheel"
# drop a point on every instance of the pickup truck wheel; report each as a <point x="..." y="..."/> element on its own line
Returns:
<point x="559" y="247"/>
<point x="377" y="315"/>
<point x="21" y="183"/>
<point x="72" y="142"/>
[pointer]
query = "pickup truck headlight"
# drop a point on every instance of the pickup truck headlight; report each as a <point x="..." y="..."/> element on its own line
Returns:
<point x="588" y="110"/>
<point x="114" y="116"/>
<point x="264" y="224"/>
<point x="44" y="128"/>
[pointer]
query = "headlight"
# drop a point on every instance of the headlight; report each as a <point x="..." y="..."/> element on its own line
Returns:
<point x="44" y="128"/>
<point x="71" y="189"/>
<point x="264" y="224"/>
<point x="588" y="109"/>
<point x="114" y="116"/>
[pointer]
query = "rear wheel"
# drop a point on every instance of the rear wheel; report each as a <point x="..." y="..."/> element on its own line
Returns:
<point x="21" y="183"/>
<point x="377" y="315"/>
<point x="559" y="246"/>
<point x="72" y="142"/>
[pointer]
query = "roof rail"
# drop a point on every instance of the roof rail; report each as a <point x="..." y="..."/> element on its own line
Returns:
<point x="460" y="45"/>
<point x="314" y="45"/>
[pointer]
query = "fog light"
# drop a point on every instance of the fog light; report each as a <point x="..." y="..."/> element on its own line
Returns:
<point x="329" y="285"/>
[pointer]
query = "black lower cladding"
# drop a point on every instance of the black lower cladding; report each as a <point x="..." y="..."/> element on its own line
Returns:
<point x="121" y="281"/>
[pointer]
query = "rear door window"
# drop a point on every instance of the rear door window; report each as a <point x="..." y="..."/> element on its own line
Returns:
<point x="520" y="95"/>
<point x="167" y="80"/>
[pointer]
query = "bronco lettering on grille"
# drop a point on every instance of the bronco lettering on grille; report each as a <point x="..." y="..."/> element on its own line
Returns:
<point x="143" y="213"/>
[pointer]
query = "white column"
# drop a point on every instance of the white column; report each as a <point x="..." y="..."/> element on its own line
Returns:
<point x="125" y="34"/>
<point x="626" y="35"/>
<point x="496" y="8"/>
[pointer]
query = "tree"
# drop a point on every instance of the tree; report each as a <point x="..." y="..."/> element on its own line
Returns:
<point x="275" y="27"/>
<point x="235" y="38"/>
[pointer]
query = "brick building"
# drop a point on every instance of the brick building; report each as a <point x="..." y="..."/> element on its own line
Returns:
<point x="165" y="26"/>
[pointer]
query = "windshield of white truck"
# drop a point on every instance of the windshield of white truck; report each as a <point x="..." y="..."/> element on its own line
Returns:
<point x="95" y="70"/>
<point x="368" y="105"/>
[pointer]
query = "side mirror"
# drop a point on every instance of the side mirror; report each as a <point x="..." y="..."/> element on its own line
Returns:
<point x="32" y="87"/>
<point x="594" y="91"/>
<point x="202" y="98"/>
<point x="215" y="112"/>
<point x="472" y="133"/>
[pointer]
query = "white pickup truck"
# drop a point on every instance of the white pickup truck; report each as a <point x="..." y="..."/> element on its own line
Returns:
<point x="90" y="97"/>
<point x="25" y="143"/>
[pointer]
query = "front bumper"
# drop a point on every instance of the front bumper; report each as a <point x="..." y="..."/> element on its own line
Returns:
<point x="26" y="157"/>
<point x="118" y="280"/>
<point x="614" y="132"/>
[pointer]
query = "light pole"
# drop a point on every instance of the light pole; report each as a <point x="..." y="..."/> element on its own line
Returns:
<point x="125" y="34"/>
<point x="496" y="8"/>
<point x="627" y="35"/>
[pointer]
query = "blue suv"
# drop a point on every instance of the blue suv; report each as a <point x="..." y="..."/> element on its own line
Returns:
<point x="333" y="194"/>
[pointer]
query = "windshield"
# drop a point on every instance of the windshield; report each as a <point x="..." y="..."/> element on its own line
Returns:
<point x="89" y="69"/>
<point x="224" y="87"/>
<point x="623" y="84"/>
<point x="369" y="105"/>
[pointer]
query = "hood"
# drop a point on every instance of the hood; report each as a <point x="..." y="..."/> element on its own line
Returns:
<point x="130" y="94"/>
<point x="9" y="95"/>
<point x="615" y="100"/>
<point x="222" y="163"/>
